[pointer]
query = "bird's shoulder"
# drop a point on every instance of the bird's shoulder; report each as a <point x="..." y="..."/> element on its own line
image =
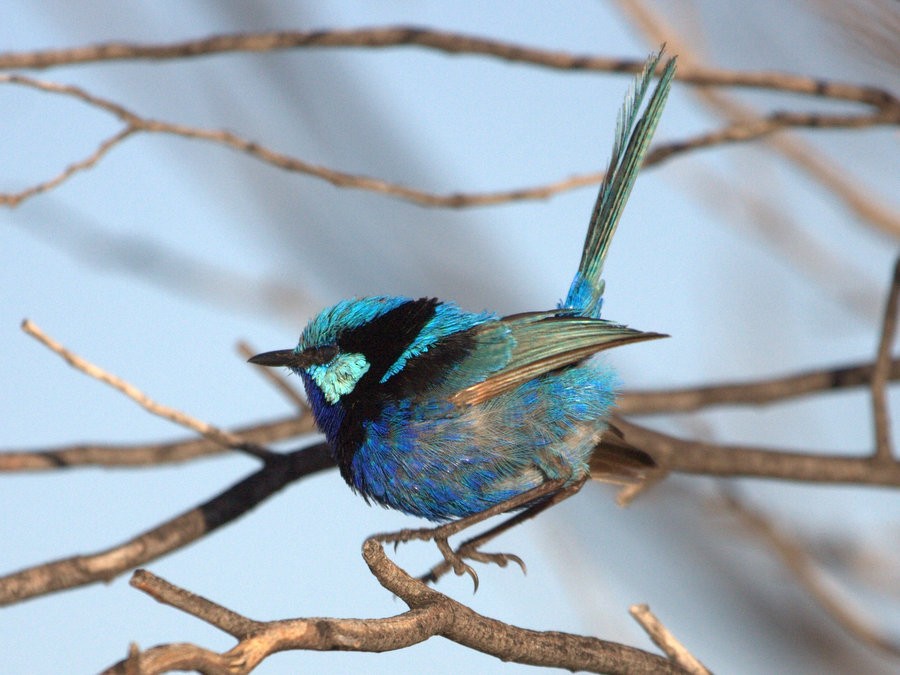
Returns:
<point x="521" y="347"/>
<point x="494" y="355"/>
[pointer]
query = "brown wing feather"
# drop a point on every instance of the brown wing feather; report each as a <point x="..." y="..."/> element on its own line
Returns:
<point x="546" y="341"/>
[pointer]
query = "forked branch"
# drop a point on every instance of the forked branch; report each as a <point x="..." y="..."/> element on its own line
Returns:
<point x="430" y="614"/>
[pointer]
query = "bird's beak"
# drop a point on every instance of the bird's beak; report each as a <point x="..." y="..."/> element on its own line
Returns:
<point x="294" y="359"/>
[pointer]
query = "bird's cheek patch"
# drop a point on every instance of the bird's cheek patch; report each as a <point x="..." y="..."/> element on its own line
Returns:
<point x="339" y="376"/>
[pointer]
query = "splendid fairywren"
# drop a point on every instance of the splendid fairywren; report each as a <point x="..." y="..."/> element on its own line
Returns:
<point x="443" y="413"/>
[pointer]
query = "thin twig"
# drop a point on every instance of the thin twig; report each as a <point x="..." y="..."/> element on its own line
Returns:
<point x="883" y="450"/>
<point x="444" y="41"/>
<point x="761" y="127"/>
<point x="76" y="167"/>
<point x="205" y="429"/>
<point x="664" y="639"/>
<point x="212" y="613"/>
<point x="804" y="569"/>
<point x="738" y="132"/>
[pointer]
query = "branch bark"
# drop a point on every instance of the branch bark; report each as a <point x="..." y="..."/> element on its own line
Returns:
<point x="710" y="459"/>
<point x="430" y="614"/>
<point x="752" y="392"/>
<point x="278" y="472"/>
<point x="443" y="41"/>
<point x="887" y="113"/>
<point x="147" y="455"/>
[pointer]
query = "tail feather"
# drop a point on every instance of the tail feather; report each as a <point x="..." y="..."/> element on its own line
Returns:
<point x="633" y="137"/>
<point x="615" y="460"/>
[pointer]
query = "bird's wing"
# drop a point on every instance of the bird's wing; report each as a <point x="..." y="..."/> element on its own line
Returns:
<point x="537" y="343"/>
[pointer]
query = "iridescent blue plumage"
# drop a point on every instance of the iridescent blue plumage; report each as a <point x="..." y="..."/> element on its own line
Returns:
<point x="443" y="413"/>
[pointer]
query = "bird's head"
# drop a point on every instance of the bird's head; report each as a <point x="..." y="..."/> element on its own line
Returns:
<point x="357" y="347"/>
<point x="338" y="346"/>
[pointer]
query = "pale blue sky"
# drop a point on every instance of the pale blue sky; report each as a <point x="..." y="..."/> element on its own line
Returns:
<point x="157" y="261"/>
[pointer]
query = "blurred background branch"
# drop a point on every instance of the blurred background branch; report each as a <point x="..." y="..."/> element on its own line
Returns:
<point x="764" y="259"/>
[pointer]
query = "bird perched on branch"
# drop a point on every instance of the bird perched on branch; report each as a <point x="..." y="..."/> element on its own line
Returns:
<point x="448" y="414"/>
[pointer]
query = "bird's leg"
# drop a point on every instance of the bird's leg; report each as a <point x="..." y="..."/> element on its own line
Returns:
<point x="547" y="494"/>
<point x="440" y="535"/>
<point x="469" y="549"/>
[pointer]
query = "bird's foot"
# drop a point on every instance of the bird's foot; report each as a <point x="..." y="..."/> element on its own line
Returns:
<point x="455" y="560"/>
<point x="532" y="502"/>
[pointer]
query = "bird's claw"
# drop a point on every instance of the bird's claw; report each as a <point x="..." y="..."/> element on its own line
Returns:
<point x="455" y="560"/>
<point x="499" y="559"/>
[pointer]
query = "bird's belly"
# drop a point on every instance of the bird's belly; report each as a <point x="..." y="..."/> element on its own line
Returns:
<point x="435" y="461"/>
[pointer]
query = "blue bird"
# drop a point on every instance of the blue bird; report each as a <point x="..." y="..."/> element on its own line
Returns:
<point x="447" y="414"/>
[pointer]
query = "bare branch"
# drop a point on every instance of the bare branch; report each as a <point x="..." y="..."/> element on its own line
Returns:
<point x="523" y="646"/>
<point x="205" y="429"/>
<point x="804" y="569"/>
<point x="662" y="637"/>
<point x="761" y="127"/>
<point x="709" y="459"/>
<point x="212" y="613"/>
<point x="882" y="365"/>
<point x="448" y="42"/>
<point x="430" y="614"/>
<point x="759" y="392"/>
<point x="737" y="132"/>
<point x="57" y="575"/>
<point x="76" y="167"/>
<point x="148" y="455"/>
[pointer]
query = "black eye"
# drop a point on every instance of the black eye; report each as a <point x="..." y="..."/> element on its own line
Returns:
<point x="320" y="355"/>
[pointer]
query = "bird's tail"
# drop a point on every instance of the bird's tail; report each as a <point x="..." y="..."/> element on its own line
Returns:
<point x="633" y="136"/>
<point x="615" y="460"/>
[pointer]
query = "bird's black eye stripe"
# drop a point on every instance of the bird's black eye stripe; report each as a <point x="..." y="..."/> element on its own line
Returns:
<point x="383" y="340"/>
<point x="322" y="355"/>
